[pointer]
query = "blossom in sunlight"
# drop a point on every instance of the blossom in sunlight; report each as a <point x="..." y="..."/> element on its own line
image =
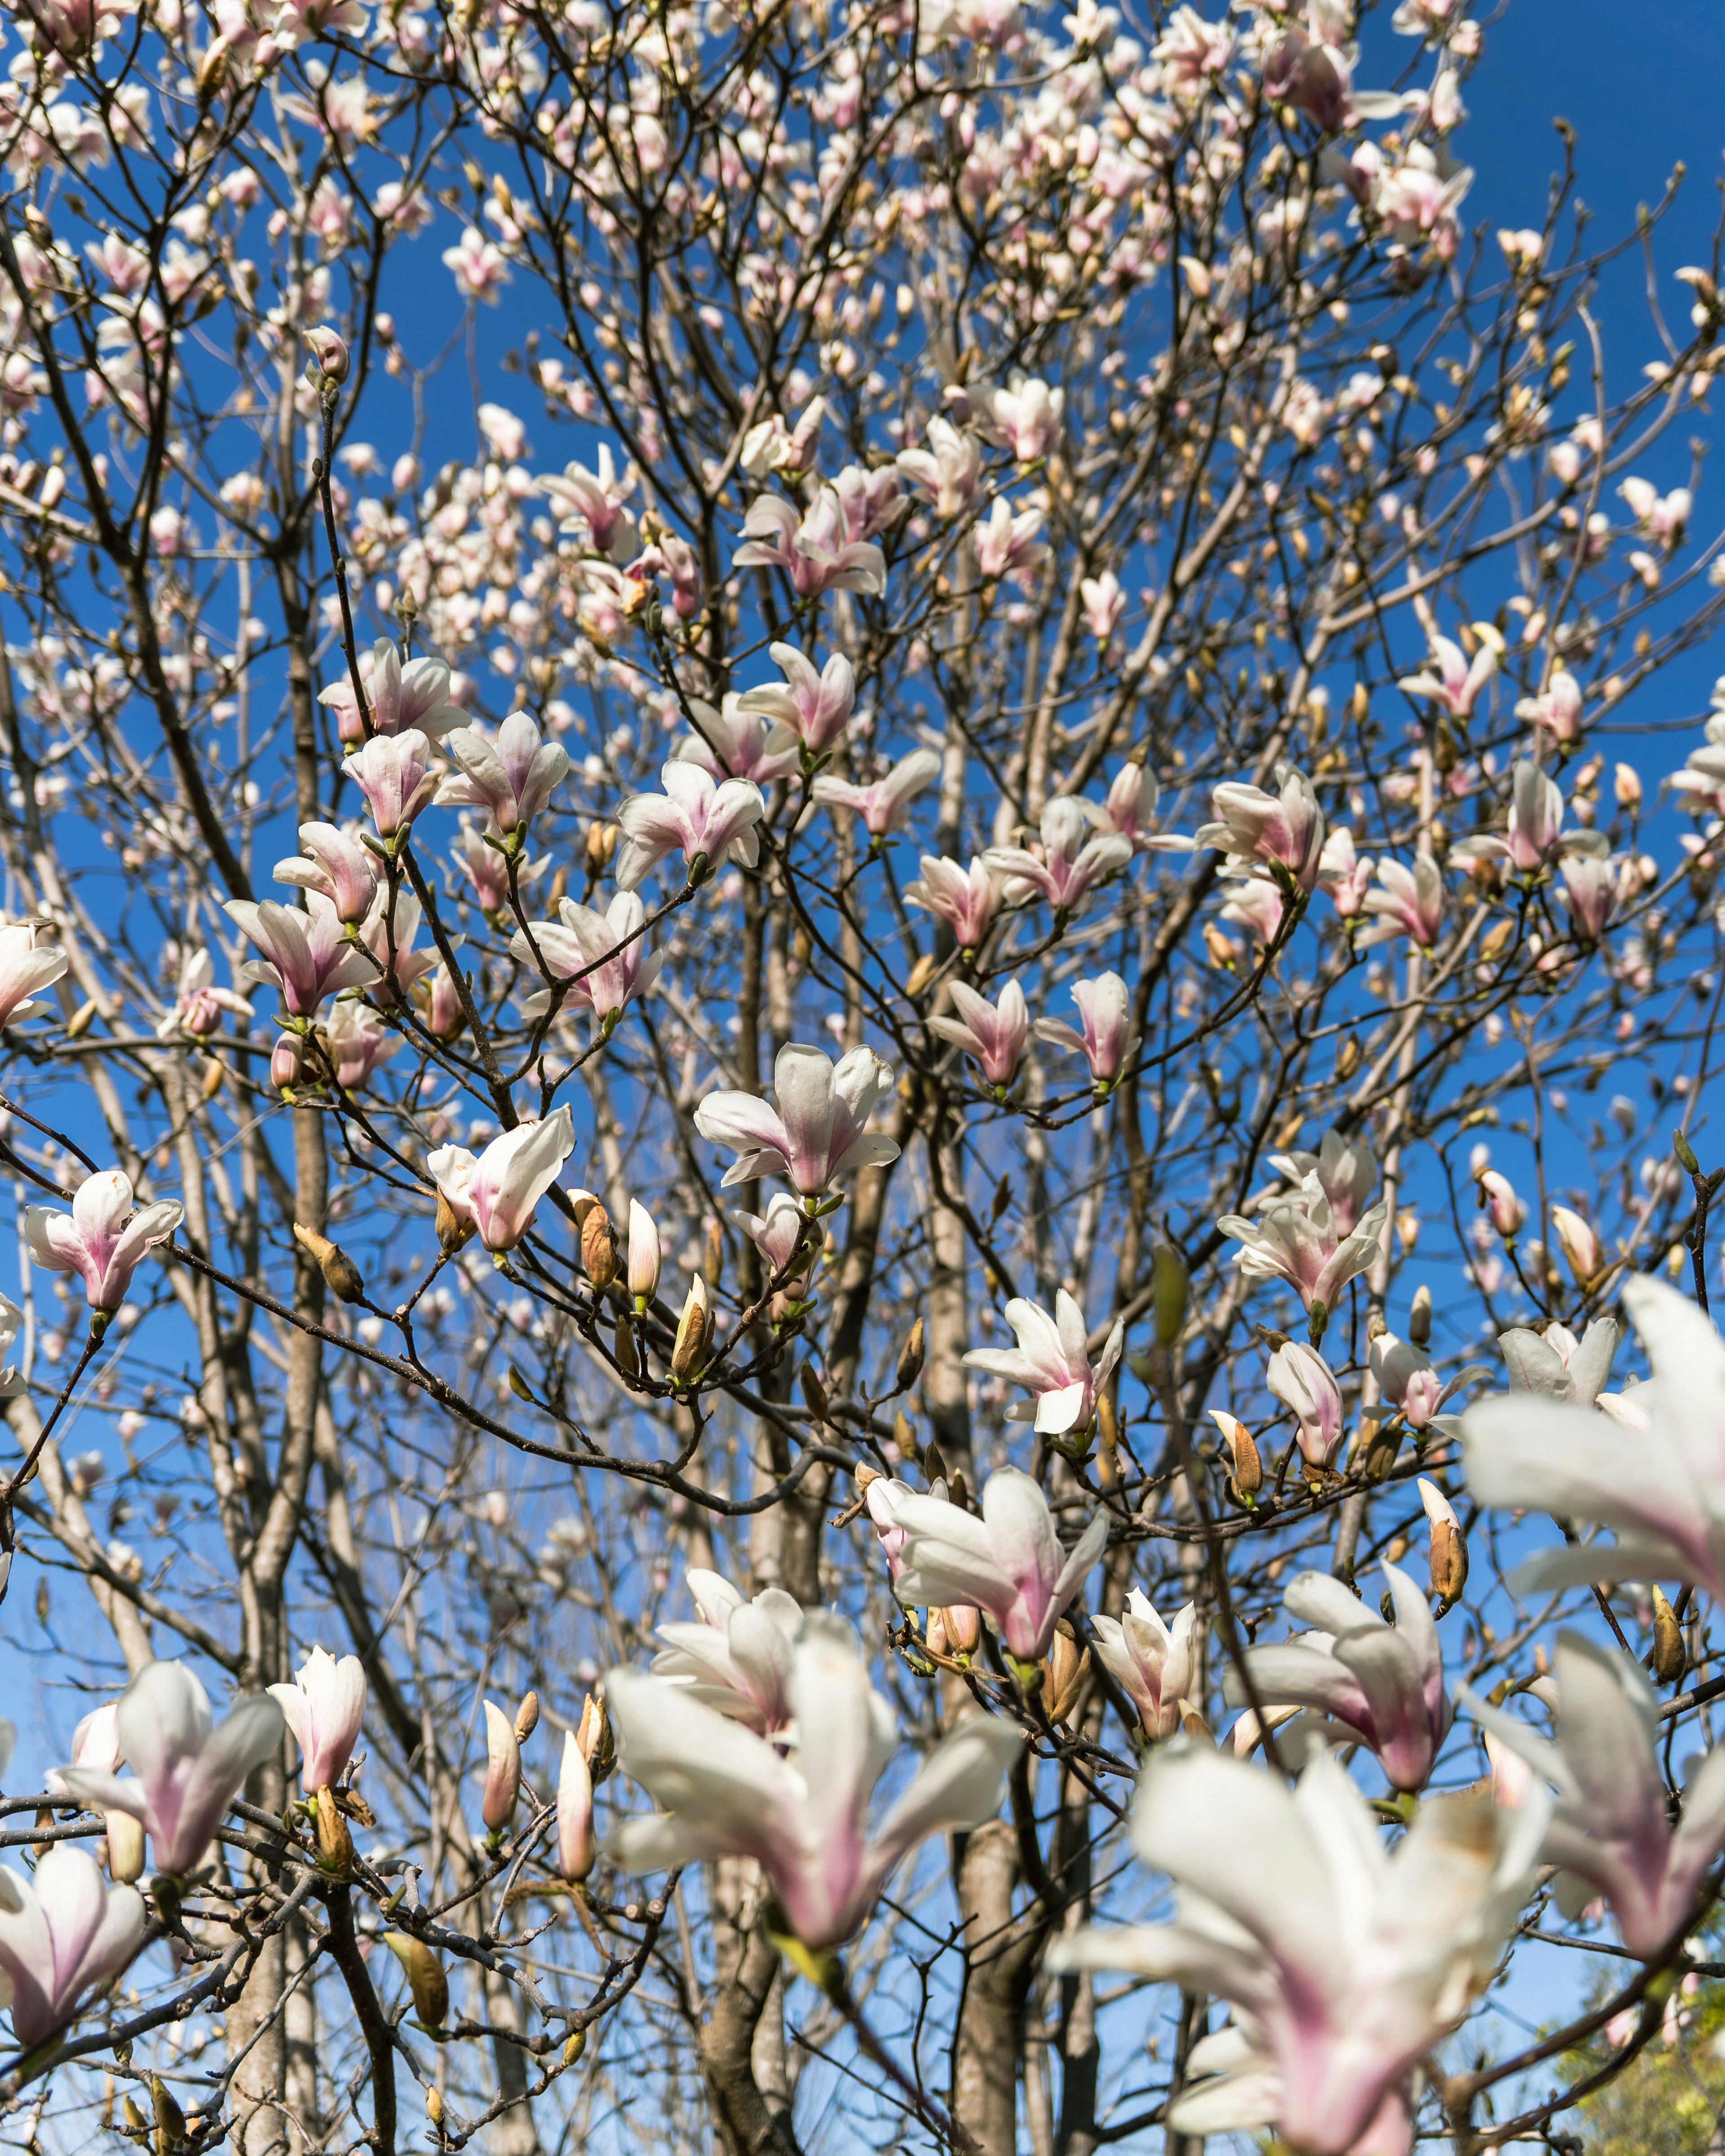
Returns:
<point x="1072" y="861"/>
<point x="503" y="1770"/>
<point x="1106" y="1040"/>
<point x="964" y="900"/>
<point x="1299" y="1376"/>
<point x="737" y="1659"/>
<point x="1129" y="810"/>
<point x="992" y="1035"/>
<point x="708" y="823"/>
<point x="1535" y="835"/>
<point x="359" y="1042"/>
<point x="1104" y="603"/>
<point x="803" y="1818"/>
<point x="307" y="956"/>
<point x="1008" y="545"/>
<point x="511" y="775"/>
<point x="780" y="1235"/>
<point x="1154" y="1664"/>
<point x="1450" y="678"/>
<point x="735" y="742"/>
<point x="1612" y="1834"/>
<point x="26" y="967"/>
<point x="1407" y="902"/>
<point x="324" y="1709"/>
<point x="948" y="470"/>
<point x="1052" y="1362"/>
<point x="1027" y="418"/>
<point x="818" y="1132"/>
<point x="815" y="708"/>
<point x="479" y="268"/>
<point x="604" y="957"/>
<point x="496" y="1193"/>
<point x="1409" y="1380"/>
<point x="1344" y="1961"/>
<point x="1346" y="1170"/>
<point x="388" y="932"/>
<point x="63" y="1931"/>
<point x="334" y="862"/>
<point x="1556" y="708"/>
<point x="1006" y="1561"/>
<point x="1381" y="1685"/>
<point x="1661" y="516"/>
<point x="1285" y="829"/>
<point x="812" y="549"/>
<point x="102" y="1239"/>
<point x="578" y="1851"/>
<point x="400" y="698"/>
<point x="298" y="20"/>
<point x="1296" y="1237"/>
<point x="885" y="804"/>
<point x="396" y="779"/>
<point x="1555" y="1362"/>
<point x="199" y="1003"/>
<point x="187" y="1769"/>
<point x="595" y="502"/>
<point x="1662" y="1490"/>
<point x="1343" y="875"/>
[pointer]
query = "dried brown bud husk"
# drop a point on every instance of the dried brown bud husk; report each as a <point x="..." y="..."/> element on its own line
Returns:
<point x="601" y="845"/>
<point x="1168" y="1286"/>
<point x="712" y="1258"/>
<point x="813" y="1392"/>
<point x="452" y="1231"/>
<point x="592" y="1735"/>
<point x="1669" y="1657"/>
<point x="904" y="1438"/>
<point x="44" y="1819"/>
<point x="955" y="1631"/>
<point x="1377" y="1446"/>
<point x="526" y="1716"/>
<point x="342" y="1277"/>
<point x="1243" y="1453"/>
<point x="599" y="1260"/>
<point x="335" y="1844"/>
<point x="1449" y="1551"/>
<point x="627" y="1360"/>
<point x="426" y="1980"/>
<point x="863" y="1477"/>
<point x="214" y="1074"/>
<point x="910" y="1359"/>
<point x="693" y="1329"/>
<point x="1066" y="1667"/>
<point x="1420" y="1317"/>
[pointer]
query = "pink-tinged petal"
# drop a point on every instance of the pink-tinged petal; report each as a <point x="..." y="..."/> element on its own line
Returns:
<point x="1061" y="1410"/>
<point x="960" y="1785"/>
<point x="803" y="1081"/>
<point x="740" y="1119"/>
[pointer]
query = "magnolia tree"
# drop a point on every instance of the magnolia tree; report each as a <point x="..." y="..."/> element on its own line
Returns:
<point x="837" y="1051"/>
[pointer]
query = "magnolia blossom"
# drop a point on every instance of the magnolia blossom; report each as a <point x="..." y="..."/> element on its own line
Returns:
<point x="1556" y="1363"/>
<point x="949" y="471"/>
<point x="1498" y="1194"/>
<point x="818" y="1132"/>
<point x="737" y="1659"/>
<point x="199" y="1003"/>
<point x="1343" y="875"/>
<point x="1345" y="1962"/>
<point x="1105" y="1011"/>
<point x="1129" y="812"/>
<point x="1662" y="1488"/>
<point x="1008" y="545"/>
<point x="1536" y="834"/>
<point x="1154" y="1664"/>
<point x="1104" y="603"/>
<point x="1299" y="1376"/>
<point x="334" y="862"/>
<point x="726" y="1791"/>
<point x="1383" y="1685"/>
<point x="1408" y="902"/>
<point x="577" y="1851"/>
<point x="323" y="1709"/>
<point x="486" y="867"/>
<point x="705" y="822"/>
<point x="1255" y="902"/>
<point x="1296" y="1238"/>
<point x="964" y="900"/>
<point x="885" y="804"/>
<point x="1284" y="830"/>
<point x="1592" y="891"/>
<point x="63" y="1931"/>
<point x="594" y="501"/>
<point x="307" y="956"/>
<point x="1408" y="1379"/>
<point x="1558" y="708"/>
<point x="1071" y="862"/>
<point x="1007" y="1562"/>
<point x="513" y="776"/>
<point x="780" y="1234"/>
<point x="496" y="1193"/>
<point x="602" y="957"/>
<point x="1578" y="1242"/>
<point x="815" y="708"/>
<point x="101" y="1239"/>
<point x="737" y="741"/>
<point x="503" y="1770"/>
<point x="26" y="967"/>
<point x="813" y="549"/>
<point x="1451" y="679"/>
<point x="400" y="698"/>
<point x="1346" y="1170"/>
<point x="992" y="1035"/>
<point x="394" y="775"/>
<point x="1052" y="1362"/>
<point x="186" y="1771"/>
<point x="642" y="1259"/>
<point x="1661" y="516"/>
<point x="1027" y="417"/>
<point x="388" y="932"/>
<point x="359" y="1041"/>
<point x="1612" y="1832"/>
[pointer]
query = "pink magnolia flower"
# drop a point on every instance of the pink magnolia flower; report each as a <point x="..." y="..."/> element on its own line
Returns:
<point x="1284" y="830"/>
<point x="1612" y="1833"/>
<point x="25" y="968"/>
<point x="727" y="1792"/>
<point x="578" y="1851"/>
<point x="816" y="708"/>
<point x="296" y="22"/>
<point x="1450" y="679"/>
<point x="1498" y="1194"/>
<point x="1558" y="710"/>
<point x="1297" y="1239"/>
<point x="388" y="932"/>
<point x="486" y="867"/>
<point x="324" y="1710"/>
<point x="1008" y="545"/>
<point x="1027" y="418"/>
<point x="336" y="864"/>
<point x="511" y="776"/>
<point x="1661" y="516"/>
<point x="885" y="805"/>
<point x="737" y="1659"/>
<point x="991" y="1035"/>
<point x="1071" y="862"/>
<point x="871" y="502"/>
<point x="1347" y="1171"/>
<point x="1407" y="902"/>
<point x="1556" y="1364"/>
<point x="359" y="1042"/>
<point x="478" y="268"/>
<point x="1052" y="1362"/>
<point x="199" y="1003"/>
<point x="1006" y="1562"/>
<point x="604" y="957"/>
<point x="1105" y="1012"/>
<point x="1343" y="875"/>
<point x="949" y="471"/>
<point x="439" y="1000"/>
<point x="1383" y="1685"/>
<point x="1194" y="53"/>
<point x="1536" y="834"/>
<point x="780" y="1234"/>
<point x="819" y="1131"/>
<point x="503" y="1770"/>
<point x="1301" y="1380"/>
<point x="1592" y="892"/>
<point x="307" y="956"/>
<point x="497" y="1193"/>
<point x="643" y="1261"/>
<point x="707" y="823"/>
<point x="964" y="900"/>
<point x="1313" y="77"/>
<point x="812" y="550"/>
<point x="1129" y="810"/>
<point x="1255" y="903"/>
<point x="401" y="699"/>
<point x="736" y="742"/>
<point x="62" y="1933"/>
<point x="594" y="501"/>
<point x="1154" y="1664"/>
<point x="1104" y="603"/>
<point x="97" y="1241"/>
<point x="394" y="776"/>
<point x="186" y="1771"/>
<point x="1345" y="1961"/>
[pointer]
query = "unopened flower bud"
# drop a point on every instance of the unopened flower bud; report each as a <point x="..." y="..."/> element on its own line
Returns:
<point x="689" y="1350"/>
<point x="1067" y="1666"/>
<point x="1498" y="1195"/>
<point x="712" y="1256"/>
<point x="577" y="1851"/>
<point x="1626" y="786"/>
<point x="1668" y="1654"/>
<point x="1168" y="1284"/>
<point x="503" y="1770"/>
<point x="526" y="1716"/>
<point x="1579" y="1243"/>
<point x="598" y="1748"/>
<point x="433" y="2104"/>
<point x="1420" y="1317"/>
<point x="575" y="2046"/>
<point x="1449" y="1551"/>
<point x="598" y="1240"/>
<point x="329" y="351"/>
<point x="910" y="1359"/>
<point x="628" y="1360"/>
<point x="956" y="1632"/>
<point x="287" y="1062"/>
<point x="1242" y="1451"/>
<point x="334" y="1844"/>
<point x="125" y="1849"/>
<point x="601" y="845"/>
<point x="170" y="2119"/>
<point x="425" y="1977"/>
<point x="342" y="1277"/>
<point x="643" y="1254"/>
